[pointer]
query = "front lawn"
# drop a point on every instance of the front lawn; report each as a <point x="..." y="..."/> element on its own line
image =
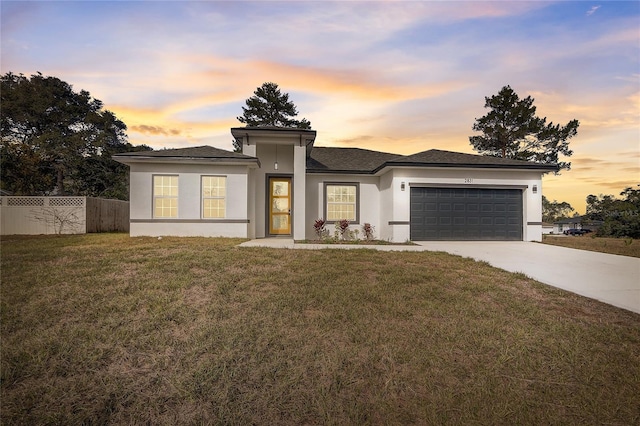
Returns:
<point x="110" y="329"/>
<point x="621" y="246"/>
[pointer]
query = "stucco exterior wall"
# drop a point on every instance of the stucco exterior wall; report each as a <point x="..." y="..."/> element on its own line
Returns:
<point x="398" y="203"/>
<point x="189" y="221"/>
<point x="368" y="199"/>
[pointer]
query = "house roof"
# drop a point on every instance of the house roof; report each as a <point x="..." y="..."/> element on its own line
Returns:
<point x="339" y="160"/>
<point x="356" y="160"/>
<point x="348" y="160"/>
<point x="198" y="153"/>
<point x="440" y="158"/>
<point x="273" y="128"/>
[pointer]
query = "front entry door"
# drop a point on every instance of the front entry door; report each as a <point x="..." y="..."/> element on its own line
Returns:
<point x="279" y="206"/>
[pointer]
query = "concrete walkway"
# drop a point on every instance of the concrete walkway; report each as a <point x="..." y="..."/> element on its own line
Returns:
<point x="608" y="278"/>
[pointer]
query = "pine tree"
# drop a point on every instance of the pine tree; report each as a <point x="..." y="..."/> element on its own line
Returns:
<point x="512" y="130"/>
<point x="270" y="107"/>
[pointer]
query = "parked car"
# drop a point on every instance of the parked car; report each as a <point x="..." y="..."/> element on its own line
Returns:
<point x="574" y="231"/>
<point x="586" y="230"/>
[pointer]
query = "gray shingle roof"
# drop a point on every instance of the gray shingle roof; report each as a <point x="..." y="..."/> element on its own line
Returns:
<point x="355" y="160"/>
<point x="437" y="157"/>
<point x="202" y="152"/>
<point x="351" y="160"/>
<point x="346" y="160"/>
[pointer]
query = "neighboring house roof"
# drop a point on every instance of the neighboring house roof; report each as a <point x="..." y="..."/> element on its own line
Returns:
<point x="198" y="153"/>
<point x="579" y="219"/>
<point x="356" y="160"/>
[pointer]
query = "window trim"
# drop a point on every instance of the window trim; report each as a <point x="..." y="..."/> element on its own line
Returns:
<point x="357" y="203"/>
<point x="154" y="196"/>
<point x="202" y="197"/>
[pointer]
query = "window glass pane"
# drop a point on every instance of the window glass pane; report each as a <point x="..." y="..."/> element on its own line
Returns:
<point x="213" y="196"/>
<point x="166" y="207"/>
<point x="281" y="188"/>
<point x="334" y="213"/>
<point x="341" y="202"/>
<point x="280" y="222"/>
<point x="165" y="195"/>
<point x="214" y="208"/>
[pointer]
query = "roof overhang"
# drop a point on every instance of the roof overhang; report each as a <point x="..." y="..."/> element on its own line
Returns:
<point x="249" y="162"/>
<point x="541" y="168"/>
<point x="277" y="135"/>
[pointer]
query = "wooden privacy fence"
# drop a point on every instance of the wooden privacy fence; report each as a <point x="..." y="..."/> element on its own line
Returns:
<point x="105" y="215"/>
<point x="62" y="215"/>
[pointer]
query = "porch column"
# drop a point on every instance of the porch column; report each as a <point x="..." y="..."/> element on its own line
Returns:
<point x="299" y="189"/>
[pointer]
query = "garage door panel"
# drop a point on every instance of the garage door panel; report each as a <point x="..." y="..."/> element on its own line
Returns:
<point x="466" y="214"/>
<point x="514" y="221"/>
<point x="486" y="221"/>
<point x="459" y="220"/>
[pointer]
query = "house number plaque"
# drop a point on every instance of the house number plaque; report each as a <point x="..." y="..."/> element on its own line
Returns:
<point x="468" y="180"/>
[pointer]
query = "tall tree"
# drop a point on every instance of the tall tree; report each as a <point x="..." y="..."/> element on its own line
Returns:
<point x="270" y="107"/>
<point x="512" y="130"/>
<point x="51" y="136"/>
<point x="553" y="211"/>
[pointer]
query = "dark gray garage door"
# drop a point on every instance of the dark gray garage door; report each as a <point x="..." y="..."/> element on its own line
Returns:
<point x="466" y="214"/>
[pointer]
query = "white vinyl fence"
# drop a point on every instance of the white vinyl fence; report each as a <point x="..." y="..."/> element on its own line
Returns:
<point x="61" y="215"/>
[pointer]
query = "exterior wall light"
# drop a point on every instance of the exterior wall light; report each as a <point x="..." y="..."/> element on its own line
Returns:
<point x="275" y="166"/>
<point x="535" y="189"/>
<point x="402" y="186"/>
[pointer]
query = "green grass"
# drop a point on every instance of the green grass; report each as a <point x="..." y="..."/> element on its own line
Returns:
<point x="110" y="329"/>
<point x="619" y="246"/>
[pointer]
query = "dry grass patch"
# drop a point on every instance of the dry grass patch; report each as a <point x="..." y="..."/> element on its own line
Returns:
<point x="112" y="329"/>
<point x="620" y="246"/>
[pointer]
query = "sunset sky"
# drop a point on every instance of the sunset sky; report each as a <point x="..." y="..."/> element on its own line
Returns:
<point x="392" y="76"/>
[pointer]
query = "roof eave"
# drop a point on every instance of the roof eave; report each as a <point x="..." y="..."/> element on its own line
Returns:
<point x="341" y="172"/>
<point x="530" y="166"/>
<point x="191" y="160"/>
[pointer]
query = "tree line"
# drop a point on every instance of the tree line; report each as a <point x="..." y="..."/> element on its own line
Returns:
<point x="620" y="216"/>
<point x="59" y="141"/>
<point x="56" y="141"/>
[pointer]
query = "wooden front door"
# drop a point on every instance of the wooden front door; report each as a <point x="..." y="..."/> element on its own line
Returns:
<point x="280" y="206"/>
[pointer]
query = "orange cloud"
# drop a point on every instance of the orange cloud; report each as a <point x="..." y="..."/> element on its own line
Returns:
<point x="351" y="83"/>
<point x="154" y="130"/>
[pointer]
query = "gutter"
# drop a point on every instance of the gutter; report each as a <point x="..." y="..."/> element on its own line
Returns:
<point x="536" y="167"/>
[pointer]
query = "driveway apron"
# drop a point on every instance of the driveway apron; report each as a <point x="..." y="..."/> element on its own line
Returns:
<point x="608" y="278"/>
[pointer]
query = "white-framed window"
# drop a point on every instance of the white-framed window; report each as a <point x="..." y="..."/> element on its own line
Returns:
<point x="341" y="201"/>
<point x="214" y="194"/>
<point x="165" y="196"/>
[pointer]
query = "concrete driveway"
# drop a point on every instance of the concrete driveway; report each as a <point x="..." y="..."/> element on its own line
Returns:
<point x="609" y="278"/>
